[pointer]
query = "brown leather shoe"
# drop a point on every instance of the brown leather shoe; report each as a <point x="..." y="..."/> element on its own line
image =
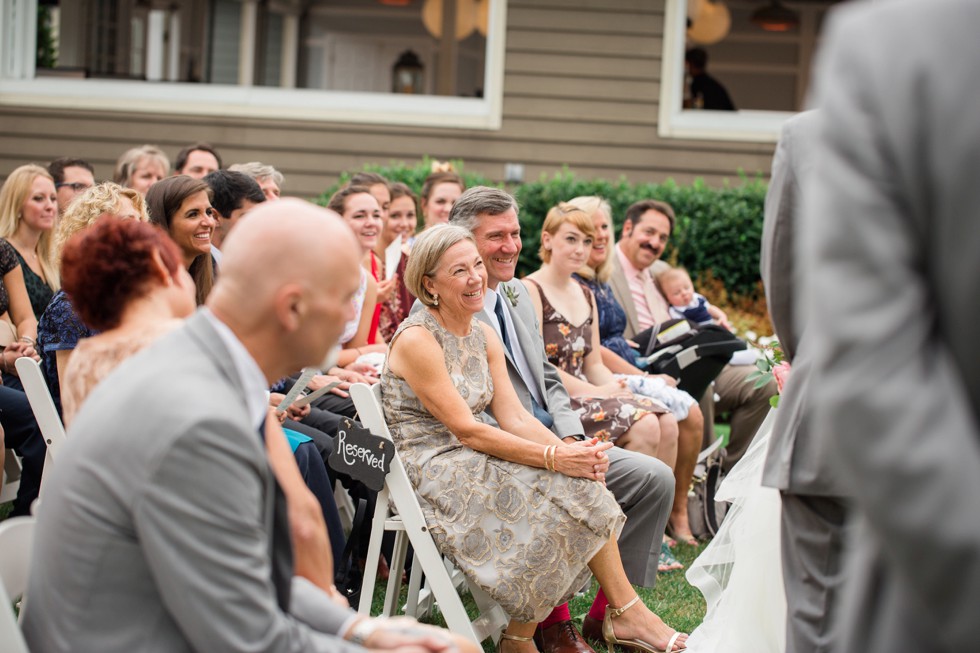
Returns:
<point x="562" y="637"/>
<point x="592" y="629"/>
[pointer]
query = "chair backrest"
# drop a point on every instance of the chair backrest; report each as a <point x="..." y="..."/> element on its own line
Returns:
<point x="32" y="378"/>
<point x="16" y="547"/>
<point x="399" y="490"/>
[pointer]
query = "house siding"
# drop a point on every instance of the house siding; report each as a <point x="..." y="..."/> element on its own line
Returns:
<point x="581" y="89"/>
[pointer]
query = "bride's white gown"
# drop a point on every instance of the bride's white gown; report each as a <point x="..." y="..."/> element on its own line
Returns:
<point x="740" y="572"/>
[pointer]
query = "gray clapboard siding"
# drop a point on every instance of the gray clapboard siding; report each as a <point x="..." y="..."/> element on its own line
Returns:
<point x="581" y="89"/>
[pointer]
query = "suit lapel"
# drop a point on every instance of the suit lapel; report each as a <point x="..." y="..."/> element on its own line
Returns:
<point x="621" y="289"/>
<point x="530" y="343"/>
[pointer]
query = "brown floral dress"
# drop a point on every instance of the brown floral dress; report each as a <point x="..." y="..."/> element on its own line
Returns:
<point x="566" y="346"/>
<point x="521" y="533"/>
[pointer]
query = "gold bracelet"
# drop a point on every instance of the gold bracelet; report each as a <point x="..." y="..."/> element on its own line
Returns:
<point x="546" y="457"/>
<point x="554" y="453"/>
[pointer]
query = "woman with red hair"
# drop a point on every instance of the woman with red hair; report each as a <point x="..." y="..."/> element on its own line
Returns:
<point x="127" y="280"/>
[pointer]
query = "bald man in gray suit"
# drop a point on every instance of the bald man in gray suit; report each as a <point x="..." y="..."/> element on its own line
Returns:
<point x="163" y="527"/>
<point x="893" y="289"/>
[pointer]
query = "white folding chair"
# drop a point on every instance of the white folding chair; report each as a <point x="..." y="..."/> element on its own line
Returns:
<point x="11" y="476"/>
<point x="398" y="510"/>
<point x="16" y="547"/>
<point x="53" y="431"/>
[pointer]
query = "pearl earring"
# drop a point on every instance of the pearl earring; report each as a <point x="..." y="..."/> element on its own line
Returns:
<point x="435" y="300"/>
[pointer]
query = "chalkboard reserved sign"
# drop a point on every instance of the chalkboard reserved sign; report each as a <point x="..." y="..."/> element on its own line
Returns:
<point x="361" y="455"/>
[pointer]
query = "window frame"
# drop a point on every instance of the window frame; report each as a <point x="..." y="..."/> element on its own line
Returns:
<point x="674" y="121"/>
<point x="19" y="86"/>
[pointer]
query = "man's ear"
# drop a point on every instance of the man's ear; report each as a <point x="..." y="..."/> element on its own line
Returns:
<point x="627" y="229"/>
<point x="290" y="306"/>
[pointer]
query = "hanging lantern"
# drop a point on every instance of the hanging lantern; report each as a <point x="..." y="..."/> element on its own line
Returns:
<point x="694" y="10"/>
<point x="776" y="18"/>
<point x="482" y="16"/>
<point x="465" y="17"/>
<point x="713" y="23"/>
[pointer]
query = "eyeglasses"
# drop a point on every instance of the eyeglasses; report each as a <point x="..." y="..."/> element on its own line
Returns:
<point x="77" y="186"/>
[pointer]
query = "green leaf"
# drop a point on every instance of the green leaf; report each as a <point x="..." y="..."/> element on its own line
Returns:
<point x="774" y="401"/>
<point x="763" y="364"/>
<point x="763" y="381"/>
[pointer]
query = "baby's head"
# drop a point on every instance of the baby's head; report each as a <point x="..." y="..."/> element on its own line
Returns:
<point x="676" y="286"/>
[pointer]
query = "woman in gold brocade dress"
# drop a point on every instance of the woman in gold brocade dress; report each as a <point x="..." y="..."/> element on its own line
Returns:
<point x="523" y="514"/>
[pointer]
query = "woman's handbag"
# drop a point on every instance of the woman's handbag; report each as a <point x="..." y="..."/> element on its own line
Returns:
<point x="704" y="513"/>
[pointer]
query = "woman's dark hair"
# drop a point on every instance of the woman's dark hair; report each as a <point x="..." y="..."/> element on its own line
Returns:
<point x="110" y="264"/>
<point x="163" y="200"/>
<point x="368" y="179"/>
<point x="338" y="201"/>
<point x="443" y="177"/>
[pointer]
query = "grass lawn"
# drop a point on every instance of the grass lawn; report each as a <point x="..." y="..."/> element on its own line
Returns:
<point x="678" y="604"/>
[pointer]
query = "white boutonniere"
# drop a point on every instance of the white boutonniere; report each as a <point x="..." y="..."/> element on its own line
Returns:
<point x="511" y="295"/>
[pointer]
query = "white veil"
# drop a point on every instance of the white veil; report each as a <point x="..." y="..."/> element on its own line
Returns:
<point x="740" y="571"/>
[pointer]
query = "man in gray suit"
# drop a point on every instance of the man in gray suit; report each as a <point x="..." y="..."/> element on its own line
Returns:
<point x="163" y="528"/>
<point x="643" y="485"/>
<point x="892" y="277"/>
<point x="646" y="230"/>
<point x="798" y="464"/>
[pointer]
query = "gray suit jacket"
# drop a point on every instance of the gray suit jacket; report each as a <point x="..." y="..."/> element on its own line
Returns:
<point x="545" y="374"/>
<point x="157" y="525"/>
<point x="894" y="289"/>
<point x="796" y="461"/>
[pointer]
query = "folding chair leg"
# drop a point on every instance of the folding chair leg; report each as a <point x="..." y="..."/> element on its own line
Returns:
<point x="396" y="569"/>
<point x="414" y="586"/>
<point x="374" y="553"/>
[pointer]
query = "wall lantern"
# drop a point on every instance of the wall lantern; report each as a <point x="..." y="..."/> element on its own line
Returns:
<point x="408" y="74"/>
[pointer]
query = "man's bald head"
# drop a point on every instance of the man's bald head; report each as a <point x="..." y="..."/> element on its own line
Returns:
<point x="288" y="272"/>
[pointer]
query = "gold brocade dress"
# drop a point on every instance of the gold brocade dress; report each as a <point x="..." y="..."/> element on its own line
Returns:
<point x="523" y="534"/>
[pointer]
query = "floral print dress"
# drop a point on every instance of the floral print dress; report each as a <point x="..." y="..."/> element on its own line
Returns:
<point x="566" y="346"/>
<point x="523" y="534"/>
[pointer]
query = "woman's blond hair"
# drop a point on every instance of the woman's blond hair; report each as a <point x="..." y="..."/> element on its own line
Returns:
<point x="14" y="193"/>
<point x="592" y="204"/>
<point x="427" y="251"/>
<point x="87" y="207"/>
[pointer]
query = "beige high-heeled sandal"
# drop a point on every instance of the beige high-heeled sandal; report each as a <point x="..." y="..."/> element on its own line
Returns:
<point x="513" y="638"/>
<point x="638" y="644"/>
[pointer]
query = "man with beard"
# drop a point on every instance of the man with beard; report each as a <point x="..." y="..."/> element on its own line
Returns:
<point x="648" y="226"/>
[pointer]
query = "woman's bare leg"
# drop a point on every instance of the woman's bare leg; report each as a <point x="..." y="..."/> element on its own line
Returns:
<point x="642" y="437"/>
<point x="638" y="622"/>
<point x="688" y="446"/>
<point x="519" y="629"/>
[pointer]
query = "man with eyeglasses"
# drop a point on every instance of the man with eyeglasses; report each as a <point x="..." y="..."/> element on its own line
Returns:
<point x="72" y="177"/>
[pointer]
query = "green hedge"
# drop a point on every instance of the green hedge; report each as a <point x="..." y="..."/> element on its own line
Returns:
<point x="719" y="230"/>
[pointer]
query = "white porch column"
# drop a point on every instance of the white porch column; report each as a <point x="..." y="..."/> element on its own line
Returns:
<point x="246" y="43"/>
<point x="290" y="49"/>
<point x="173" y="47"/>
<point x="156" y="25"/>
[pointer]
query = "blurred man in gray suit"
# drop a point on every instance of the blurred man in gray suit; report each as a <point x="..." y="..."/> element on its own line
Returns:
<point x="163" y="528"/>
<point x="798" y="464"/>
<point x="893" y="288"/>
